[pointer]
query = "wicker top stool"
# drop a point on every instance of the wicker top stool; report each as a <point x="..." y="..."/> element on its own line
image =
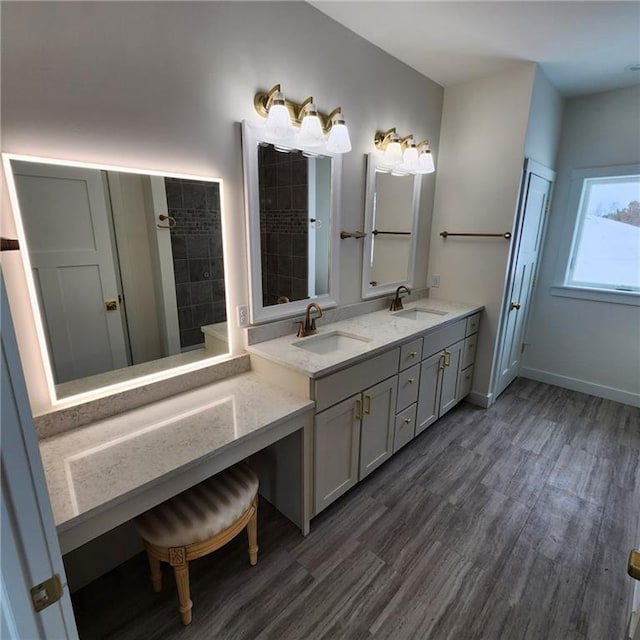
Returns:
<point x="197" y="522"/>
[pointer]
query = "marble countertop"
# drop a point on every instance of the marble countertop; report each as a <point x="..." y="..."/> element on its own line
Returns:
<point x="380" y="329"/>
<point x="97" y="466"/>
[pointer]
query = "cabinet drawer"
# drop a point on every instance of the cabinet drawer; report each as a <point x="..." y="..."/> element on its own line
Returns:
<point x="464" y="382"/>
<point x="469" y="350"/>
<point x="342" y="384"/>
<point x="410" y="353"/>
<point x="408" y="385"/>
<point x="437" y="340"/>
<point x="405" y="427"/>
<point x="473" y="324"/>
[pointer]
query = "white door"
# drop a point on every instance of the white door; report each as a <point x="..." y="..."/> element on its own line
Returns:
<point x="66" y="224"/>
<point x="30" y="551"/>
<point x="534" y="202"/>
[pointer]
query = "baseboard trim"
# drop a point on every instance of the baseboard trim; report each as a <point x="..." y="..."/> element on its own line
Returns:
<point x="583" y="386"/>
<point x="480" y="399"/>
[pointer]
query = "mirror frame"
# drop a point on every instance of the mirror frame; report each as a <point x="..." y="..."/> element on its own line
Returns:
<point x="375" y="165"/>
<point x="252" y="134"/>
<point x="21" y="289"/>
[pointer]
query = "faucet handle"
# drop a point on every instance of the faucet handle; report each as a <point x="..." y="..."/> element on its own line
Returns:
<point x="300" y="333"/>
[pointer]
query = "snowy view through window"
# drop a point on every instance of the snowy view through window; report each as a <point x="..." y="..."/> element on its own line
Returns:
<point x="607" y="248"/>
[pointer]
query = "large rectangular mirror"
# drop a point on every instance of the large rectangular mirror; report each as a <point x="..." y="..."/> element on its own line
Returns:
<point x="292" y="196"/>
<point x="392" y="203"/>
<point x="126" y="269"/>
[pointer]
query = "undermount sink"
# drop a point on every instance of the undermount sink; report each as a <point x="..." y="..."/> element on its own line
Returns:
<point x="332" y="342"/>
<point x="419" y="313"/>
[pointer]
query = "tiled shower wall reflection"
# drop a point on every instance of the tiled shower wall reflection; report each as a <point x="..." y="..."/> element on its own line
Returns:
<point x="284" y="224"/>
<point x="196" y="242"/>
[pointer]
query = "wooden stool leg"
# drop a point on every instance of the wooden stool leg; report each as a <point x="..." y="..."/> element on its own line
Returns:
<point x="252" y="534"/>
<point x="177" y="559"/>
<point x="156" y="574"/>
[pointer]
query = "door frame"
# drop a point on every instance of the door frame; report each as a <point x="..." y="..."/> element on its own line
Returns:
<point x="530" y="167"/>
<point x="30" y="546"/>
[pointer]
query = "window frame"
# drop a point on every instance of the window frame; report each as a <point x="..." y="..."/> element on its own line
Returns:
<point x="575" y="222"/>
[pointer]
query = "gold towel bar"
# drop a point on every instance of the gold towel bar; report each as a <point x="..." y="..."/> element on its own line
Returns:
<point x="506" y="235"/>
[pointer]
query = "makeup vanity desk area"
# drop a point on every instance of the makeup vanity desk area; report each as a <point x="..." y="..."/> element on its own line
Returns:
<point x="106" y="473"/>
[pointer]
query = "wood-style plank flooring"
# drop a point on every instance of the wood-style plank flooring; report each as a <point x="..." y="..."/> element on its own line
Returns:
<point x="508" y="523"/>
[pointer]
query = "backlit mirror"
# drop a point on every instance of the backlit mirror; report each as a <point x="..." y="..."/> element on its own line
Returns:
<point x="291" y="202"/>
<point x="392" y="202"/>
<point x="127" y="269"/>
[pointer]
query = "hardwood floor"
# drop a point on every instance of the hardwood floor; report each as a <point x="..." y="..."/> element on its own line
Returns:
<point x="508" y="523"/>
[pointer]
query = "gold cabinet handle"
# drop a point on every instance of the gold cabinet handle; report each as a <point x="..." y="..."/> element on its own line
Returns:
<point x="358" y="409"/>
<point x="634" y="564"/>
<point x="367" y="409"/>
<point x="413" y="354"/>
<point x="411" y="380"/>
<point x="447" y="358"/>
<point x="407" y="420"/>
<point x="514" y="305"/>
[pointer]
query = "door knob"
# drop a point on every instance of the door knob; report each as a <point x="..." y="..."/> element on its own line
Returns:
<point x="111" y="305"/>
<point x="514" y="305"/>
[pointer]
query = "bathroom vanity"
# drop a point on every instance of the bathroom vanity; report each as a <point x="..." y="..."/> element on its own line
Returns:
<point x="377" y="380"/>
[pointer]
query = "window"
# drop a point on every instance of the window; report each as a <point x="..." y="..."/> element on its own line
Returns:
<point x="605" y="254"/>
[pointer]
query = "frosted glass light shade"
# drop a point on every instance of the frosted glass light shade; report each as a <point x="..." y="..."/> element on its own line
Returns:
<point x="279" y="122"/>
<point x="393" y="153"/>
<point x="311" y="134"/>
<point x="425" y="163"/>
<point x="339" y="141"/>
<point x="410" y="158"/>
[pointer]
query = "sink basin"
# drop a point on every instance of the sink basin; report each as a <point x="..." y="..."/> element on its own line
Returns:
<point x="332" y="342"/>
<point x="419" y="313"/>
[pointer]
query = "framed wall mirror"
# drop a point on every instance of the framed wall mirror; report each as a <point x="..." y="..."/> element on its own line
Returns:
<point x="124" y="269"/>
<point x="392" y="204"/>
<point x="291" y="197"/>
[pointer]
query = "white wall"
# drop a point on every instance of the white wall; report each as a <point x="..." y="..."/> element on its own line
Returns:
<point x="165" y="85"/>
<point x="582" y="344"/>
<point x="545" y="122"/>
<point x="482" y="146"/>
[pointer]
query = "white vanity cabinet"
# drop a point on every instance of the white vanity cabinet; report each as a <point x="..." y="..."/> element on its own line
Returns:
<point x="446" y="375"/>
<point x="353" y="436"/>
<point x="370" y="405"/>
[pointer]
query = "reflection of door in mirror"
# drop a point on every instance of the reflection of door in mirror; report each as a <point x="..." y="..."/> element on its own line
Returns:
<point x="294" y="197"/>
<point x="103" y="266"/>
<point x="392" y="224"/>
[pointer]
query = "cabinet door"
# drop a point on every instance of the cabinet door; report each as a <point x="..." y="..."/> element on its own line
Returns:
<point x="452" y="361"/>
<point x="336" y="439"/>
<point x="429" y="394"/>
<point x="378" y="424"/>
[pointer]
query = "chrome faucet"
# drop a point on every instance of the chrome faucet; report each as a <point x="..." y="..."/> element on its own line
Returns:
<point x="308" y="326"/>
<point x="396" y="304"/>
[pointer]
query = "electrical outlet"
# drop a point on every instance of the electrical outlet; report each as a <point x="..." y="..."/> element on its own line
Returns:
<point x="243" y="315"/>
<point x="435" y="280"/>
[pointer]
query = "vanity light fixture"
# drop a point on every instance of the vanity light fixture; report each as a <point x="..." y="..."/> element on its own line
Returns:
<point x="278" y="121"/>
<point x="425" y="161"/>
<point x="402" y="155"/>
<point x="311" y="134"/>
<point x="316" y="130"/>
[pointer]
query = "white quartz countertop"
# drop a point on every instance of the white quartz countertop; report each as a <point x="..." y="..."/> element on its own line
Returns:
<point x="381" y="329"/>
<point x="95" y="467"/>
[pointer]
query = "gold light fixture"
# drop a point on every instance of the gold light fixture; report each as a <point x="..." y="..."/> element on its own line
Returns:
<point x="402" y="155"/>
<point x="316" y="129"/>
